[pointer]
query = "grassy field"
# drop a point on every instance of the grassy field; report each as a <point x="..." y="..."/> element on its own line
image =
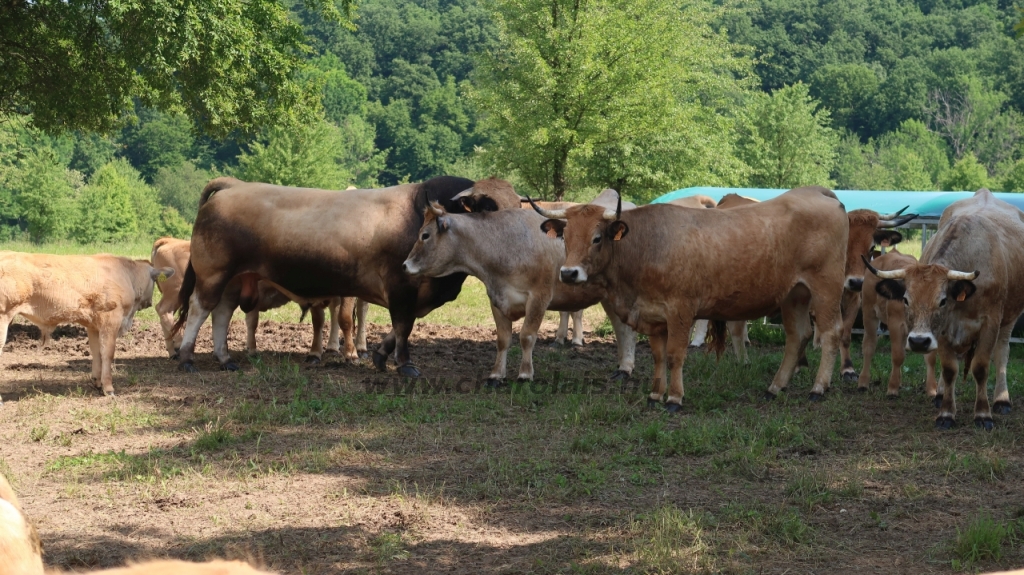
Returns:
<point x="337" y="469"/>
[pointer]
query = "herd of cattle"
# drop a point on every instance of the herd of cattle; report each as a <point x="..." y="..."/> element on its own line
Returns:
<point x="659" y="270"/>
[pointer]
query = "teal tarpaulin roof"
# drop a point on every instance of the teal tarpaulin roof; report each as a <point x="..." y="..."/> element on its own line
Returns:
<point x="925" y="204"/>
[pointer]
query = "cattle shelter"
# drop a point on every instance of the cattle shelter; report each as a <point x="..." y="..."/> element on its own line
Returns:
<point x="927" y="205"/>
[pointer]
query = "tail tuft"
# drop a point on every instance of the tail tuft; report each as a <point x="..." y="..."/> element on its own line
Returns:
<point x="717" y="334"/>
<point x="188" y="285"/>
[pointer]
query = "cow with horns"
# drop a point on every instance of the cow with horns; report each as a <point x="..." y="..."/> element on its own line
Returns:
<point x="965" y="313"/>
<point x="665" y="266"/>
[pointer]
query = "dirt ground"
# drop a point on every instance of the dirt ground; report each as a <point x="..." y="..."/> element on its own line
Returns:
<point x="335" y="468"/>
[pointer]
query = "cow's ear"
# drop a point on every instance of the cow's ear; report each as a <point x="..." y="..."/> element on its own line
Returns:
<point x="553" y="228"/>
<point x="161" y="275"/>
<point x="962" y="289"/>
<point x="891" y="289"/>
<point x="443" y="223"/>
<point x="886" y="238"/>
<point x="467" y="204"/>
<point x="617" y="230"/>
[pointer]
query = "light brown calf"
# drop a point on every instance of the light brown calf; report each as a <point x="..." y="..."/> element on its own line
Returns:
<point x="21" y="552"/>
<point x="877" y="309"/>
<point x="174" y="253"/>
<point x="101" y="293"/>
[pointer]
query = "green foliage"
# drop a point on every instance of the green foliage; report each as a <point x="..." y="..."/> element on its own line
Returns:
<point x="91" y="152"/>
<point x="967" y="174"/>
<point x="846" y="90"/>
<point x="910" y="158"/>
<point x="45" y="195"/>
<point x="180" y="186"/>
<point x="228" y="65"/>
<point x="605" y="93"/>
<point x="976" y="120"/>
<point x="1013" y="181"/>
<point x="106" y="211"/>
<point x="786" y="141"/>
<point x="982" y="540"/>
<point x="158" y="141"/>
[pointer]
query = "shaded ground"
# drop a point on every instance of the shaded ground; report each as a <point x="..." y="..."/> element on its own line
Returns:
<point x="335" y="468"/>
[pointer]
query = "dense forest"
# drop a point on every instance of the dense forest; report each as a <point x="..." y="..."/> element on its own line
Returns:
<point x="565" y="98"/>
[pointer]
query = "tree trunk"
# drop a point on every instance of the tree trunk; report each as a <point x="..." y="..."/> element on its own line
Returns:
<point x="558" y="181"/>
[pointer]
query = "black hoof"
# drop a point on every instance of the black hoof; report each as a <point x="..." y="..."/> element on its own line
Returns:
<point x="380" y="361"/>
<point x="187" y="367"/>
<point x="892" y="396"/>
<point x="494" y="383"/>
<point x="862" y="390"/>
<point x="850" y="376"/>
<point x="816" y="397"/>
<point x="768" y="396"/>
<point x="945" y="423"/>
<point x="312" y="359"/>
<point x="408" y="370"/>
<point x="576" y="345"/>
<point x="1001" y="408"/>
<point x="618" y="375"/>
<point x="229" y="366"/>
<point x="673" y="407"/>
<point x="556" y="344"/>
<point x="653" y="403"/>
<point x="937" y="401"/>
<point x="985" y="423"/>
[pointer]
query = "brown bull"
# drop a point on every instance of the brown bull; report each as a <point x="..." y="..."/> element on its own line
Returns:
<point x="310" y="244"/>
<point x="174" y="253"/>
<point x="959" y="312"/>
<point x="101" y="293"/>
<point x="876" y="310"/>
<point x="665" y="266"/>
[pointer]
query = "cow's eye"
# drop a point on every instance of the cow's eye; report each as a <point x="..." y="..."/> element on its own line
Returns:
<point x="597" y="239"/>
<point x="424" y="237"/>
<point x="942" y="301"/>
<point x="906" y="301"/>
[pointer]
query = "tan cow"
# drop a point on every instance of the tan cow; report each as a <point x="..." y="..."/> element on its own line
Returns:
<point x="665" y="266"/>
<point x="101" y="293"/>
<point x="877" y="309"/>
<point x="959" y="312"/>
<point x="174" y="253"/>
<point x="21" y="551"/>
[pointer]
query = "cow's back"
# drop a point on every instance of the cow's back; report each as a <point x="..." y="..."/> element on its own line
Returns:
<point x="171" y="253"/>
<point x="64" y="287"/>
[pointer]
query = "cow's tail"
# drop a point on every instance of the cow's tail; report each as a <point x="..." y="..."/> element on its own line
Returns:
<point x="215" y="185"/>
<point x="717" y="334"/>
<point x="305" y="307"/>
<point x="188" y="285"/>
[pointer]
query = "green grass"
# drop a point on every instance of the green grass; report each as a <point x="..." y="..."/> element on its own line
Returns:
<point x="387" y="547"/>
<point x="134" y="249"/>
<point x="669" y="540"/>
<point x="982" y="540"/>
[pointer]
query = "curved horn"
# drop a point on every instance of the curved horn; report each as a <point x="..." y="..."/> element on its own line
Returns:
<point x="436" y="208"/>
<point x="894" y="222"/>
<point x="955" y="275"/>
<point x="610" y="215"/>
<point x="463" y="194"/>
<point x="552" y="214"/>
<point x="892" y="216"/>
<point x="886" y="275"/>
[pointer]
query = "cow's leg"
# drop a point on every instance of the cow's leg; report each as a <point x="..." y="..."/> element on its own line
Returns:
<point x="316" y="352"/>
<point x="658" y="343"/>
<point x="980" y="366"/>
<point x="362" y="308"/>
<point x="341" y="318"/>
<point x="869" y="344"/>
<point x="5" y="321"/>
<point x="796" y="320"/>
<point x="950" y="370"/>
<point x="828" y="322"/>
<point x="196" y="317"/>
<point x="165" y="312"/>
<point x="528" y="335"/>
<point x="403" y="319"/>
<point x="108" y="343"/>
<point x="898" y="343"/>
<point x="625" y="339"/>
<point x="503" y="326"/>
<point x="1000" y="356"/>
<point x="577" y="328"/>
<point x="221" y="322"/>
<point x="97" y="356"/>
<point x="675" y="349"/>
<point x="850" y="305"/>
<point x="931" y="387"/>
<point x="700" y="333"/>
<point x="252" y="323"/>
<point x="563" y="329"/>
<point x="738" y="335"/>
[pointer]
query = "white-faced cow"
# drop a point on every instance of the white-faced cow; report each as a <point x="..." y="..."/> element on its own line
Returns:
<point x="877" y="310"/>
<point x="665" y="266"/>
<point x="174" y="253"/>
<point x="101" y="293"/>
<point x="310" y="244"/>
<point x="517" y="263"/>
<point x="959" y="312"/>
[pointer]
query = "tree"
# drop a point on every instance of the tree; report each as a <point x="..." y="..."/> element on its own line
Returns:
<point x="157" y="141"/>
<point x="106" y="212"/>
<point x="1013" y="181"/>
<point x="972" y="119"/>
<point x="180" y="187"/>
<point x="79" y="65"/>
<point x="846" y="90"/>
<point x="575" y="86"/>
<point x="786" y="141"/>
<point x="45" y="196"/>
<point x="967" y="174"/>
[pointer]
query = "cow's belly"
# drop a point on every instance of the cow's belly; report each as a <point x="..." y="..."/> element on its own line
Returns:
<point x="510" y="302"/>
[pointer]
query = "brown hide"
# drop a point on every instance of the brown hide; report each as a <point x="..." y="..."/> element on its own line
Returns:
<point x="733" y="200"/>
<point x="952" y="313"/>
<point x="21" y="552"/>
<point x="664" y="266"/>
<point x="171" y="567"/>
<point x="697" y="201"/>
<point x="101" y="293"/>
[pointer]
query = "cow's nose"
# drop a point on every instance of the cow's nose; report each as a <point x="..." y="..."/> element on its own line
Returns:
<point x="570" y="275"/>
<point x="405" y="267"/>
<point x="854" y="284"/>
<point x="919" y="342"/>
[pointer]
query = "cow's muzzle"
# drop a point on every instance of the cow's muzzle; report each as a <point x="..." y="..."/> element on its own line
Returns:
<point x="921" y="343"/>
<point x="854" y="284"/>
<point x="410" y="268"/>
<point x="573" y="275"/>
